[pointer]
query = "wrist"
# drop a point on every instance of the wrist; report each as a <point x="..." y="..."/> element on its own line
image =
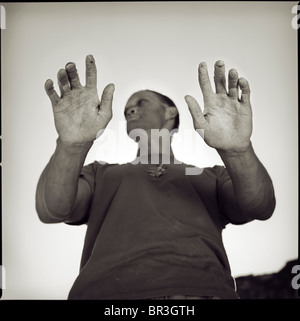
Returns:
<point x="74" y="148"/>
<point x="236" y="152"/>
<point x="238" y="159"/>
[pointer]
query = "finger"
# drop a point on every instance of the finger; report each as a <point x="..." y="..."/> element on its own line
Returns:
<point x="63" y="82"/>
<point x="73" y="75"/>
<point x="243" y="84"/>
<point x="91" y="72"/>
<point x="196" y="112"/>
<point x="233" y="78"/>
<point x="204" y="81"/>
<point x="219" y="77"/>
<point x="52" y="94"/>
<point x="106" y="99"/>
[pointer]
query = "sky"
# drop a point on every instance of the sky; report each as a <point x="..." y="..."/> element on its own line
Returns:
<point x="141" y="45"/>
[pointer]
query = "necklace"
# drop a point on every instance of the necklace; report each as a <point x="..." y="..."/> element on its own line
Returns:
<point x="157" y="170"/>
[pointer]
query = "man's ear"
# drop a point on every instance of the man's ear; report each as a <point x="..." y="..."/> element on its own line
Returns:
<point x="171" y="112"/>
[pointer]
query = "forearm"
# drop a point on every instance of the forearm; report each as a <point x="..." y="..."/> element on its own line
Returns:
<point x="58" y="184"/>
<point x="253" y="187"/>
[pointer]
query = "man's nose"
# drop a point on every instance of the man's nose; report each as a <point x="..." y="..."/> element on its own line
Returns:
<point x="131" y="111"/>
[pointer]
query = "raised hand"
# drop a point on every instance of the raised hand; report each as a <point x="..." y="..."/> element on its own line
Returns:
<point x="79" y="115"/>
<point x="226" y="118"/>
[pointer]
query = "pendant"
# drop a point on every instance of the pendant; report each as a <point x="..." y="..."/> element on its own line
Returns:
<point x="157" y="171"/>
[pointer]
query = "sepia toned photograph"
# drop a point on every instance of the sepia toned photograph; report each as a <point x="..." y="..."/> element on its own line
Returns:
<point x="149" y="151"/>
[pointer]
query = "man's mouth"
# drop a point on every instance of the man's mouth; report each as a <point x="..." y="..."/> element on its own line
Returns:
<point x="133" y="117"/>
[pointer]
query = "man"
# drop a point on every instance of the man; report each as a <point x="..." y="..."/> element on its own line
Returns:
<point x="152" y="230"/>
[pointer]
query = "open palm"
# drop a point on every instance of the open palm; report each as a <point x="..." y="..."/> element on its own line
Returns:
<point x="79" y="115"/>
<point x="226" y="120"/>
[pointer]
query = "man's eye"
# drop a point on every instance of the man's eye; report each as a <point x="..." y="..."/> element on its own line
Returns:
<point x="142" y="102"/>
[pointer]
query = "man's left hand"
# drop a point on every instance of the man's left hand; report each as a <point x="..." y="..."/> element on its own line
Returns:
<point x="226" y="118"/>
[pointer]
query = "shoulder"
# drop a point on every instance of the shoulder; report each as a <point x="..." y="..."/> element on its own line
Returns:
<point x="98" y="165"/>
<point x="213" y="172"/>
<point x="100" y="168"/>
<point x="216" y="170"/>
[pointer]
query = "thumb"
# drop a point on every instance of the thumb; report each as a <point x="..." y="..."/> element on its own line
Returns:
<point x="106" y="99"/>
<point x="244" y="85"/>
<point x="196" y="112"/>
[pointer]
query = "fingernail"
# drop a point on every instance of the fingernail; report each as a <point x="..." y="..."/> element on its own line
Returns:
<point x="62" y="71"/>
<point x="113" y="87"/>
<point x="233" y="73"/>
<point x="70" y="65"/>
<point x="202" y="67"/>
<point x="91" y="59"/>
<point x="219" y="63"/>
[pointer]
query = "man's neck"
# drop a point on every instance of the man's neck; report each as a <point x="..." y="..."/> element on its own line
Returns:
<point x="161" y="158"/>
<point x="156" y="149"/>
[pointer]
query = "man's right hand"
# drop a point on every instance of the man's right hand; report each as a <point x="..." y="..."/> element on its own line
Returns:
<point x="79" y="115"/>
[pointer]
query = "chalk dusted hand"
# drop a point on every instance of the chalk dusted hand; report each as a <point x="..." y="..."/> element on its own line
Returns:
<point x="226" y="120"/>
<point x="79" y="115"/>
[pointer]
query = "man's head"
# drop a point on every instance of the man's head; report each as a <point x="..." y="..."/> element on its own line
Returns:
<point x="147" y="109"/>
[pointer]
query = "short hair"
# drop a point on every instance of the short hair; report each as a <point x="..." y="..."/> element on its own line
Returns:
<point x="166" y="100"/>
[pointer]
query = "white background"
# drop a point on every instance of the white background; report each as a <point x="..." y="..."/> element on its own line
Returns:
<point x="142" y="45"/>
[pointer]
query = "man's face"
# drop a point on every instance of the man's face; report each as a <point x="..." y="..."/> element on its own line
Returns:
<point x="145" y="110"/>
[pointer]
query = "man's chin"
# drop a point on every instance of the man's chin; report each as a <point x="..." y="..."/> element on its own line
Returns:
<point x="134" y="131"/>
<point x="134" y="125"/>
